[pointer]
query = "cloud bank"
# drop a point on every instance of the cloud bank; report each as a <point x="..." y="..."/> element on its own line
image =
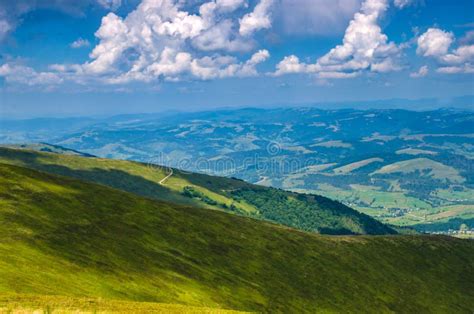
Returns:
<point x="177" y="40"/>
<point x="364" y="48"/>
<point x="437" y="44"/>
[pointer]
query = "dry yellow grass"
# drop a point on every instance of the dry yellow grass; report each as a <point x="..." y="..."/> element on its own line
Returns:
<point x="43" y="304"/>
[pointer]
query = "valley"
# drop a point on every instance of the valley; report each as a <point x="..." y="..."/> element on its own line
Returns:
<point x="402" y="167"/>
<point x="305" y="212"/>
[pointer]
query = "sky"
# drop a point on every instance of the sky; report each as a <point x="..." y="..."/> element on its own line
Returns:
<point x="89" y="57"/>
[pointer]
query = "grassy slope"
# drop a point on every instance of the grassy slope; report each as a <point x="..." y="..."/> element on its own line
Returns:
<point x="45" y="147"/>
<point x="63" y="236"/>
<point x="435" y="169"/>
<point x="312" y="213"/>
<point x="28" y="303"/>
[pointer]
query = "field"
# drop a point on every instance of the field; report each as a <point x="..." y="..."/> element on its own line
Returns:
<point x="356" y="165"/>
<point x="70" y="238"/>
<point x="435" y="169"/>
<point x="410" y="210"/>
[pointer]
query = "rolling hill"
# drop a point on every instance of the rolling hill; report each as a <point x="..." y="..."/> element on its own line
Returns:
<point x="67" y="237"/>
<point x="305" y="212"/>
<point x="333" y="153"/>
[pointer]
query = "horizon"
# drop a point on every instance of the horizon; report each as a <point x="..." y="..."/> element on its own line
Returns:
<point x="421" y="105"/>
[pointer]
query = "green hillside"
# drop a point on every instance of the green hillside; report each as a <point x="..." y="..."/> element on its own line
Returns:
<point x="305" y="212"/>
<point x="62" y="236"/>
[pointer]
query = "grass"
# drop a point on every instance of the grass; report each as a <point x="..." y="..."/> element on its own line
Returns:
<point x="415" y="151"/>
<point x="62" y="236"/>
<point x="28" y="303"/>
<point x="379" y="204"/>
<point x="435" y="215"/>
<point x="450" y="195"/>
<point x="436" y="169"/>
<point x="144" y="180"/>
<point x="356" y="165"/>
<point x="360" y="196"/>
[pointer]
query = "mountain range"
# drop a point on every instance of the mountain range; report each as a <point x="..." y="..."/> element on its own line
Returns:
<point x="405" y="168"/>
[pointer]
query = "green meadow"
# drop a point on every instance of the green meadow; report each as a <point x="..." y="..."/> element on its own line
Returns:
<point x="74" y="239"/>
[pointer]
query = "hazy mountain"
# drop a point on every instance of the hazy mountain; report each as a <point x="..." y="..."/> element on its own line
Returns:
<point x="403" y="167"/>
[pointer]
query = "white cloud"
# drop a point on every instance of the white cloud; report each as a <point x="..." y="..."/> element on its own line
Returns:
<point x="364" y="48"/>
<point x="385" y="66"/>
<point x="16" y="73"/>
<point x="220" y="37"/>
<point x="159" y="40"/>
<point x="79" y="43"/>
<point x="259" y="18"/>
<point x="290" y="64"/>
<point x="155" y="26"/>
<point x="174" y="65"/>
<point x="422" y="72"/>
<point x="155" y="40"/>
<point x="436" y="43"/>
<point x="466" y="68"/>
<point x="248" y="68"/>
<point x="460" y="55"/>
<point x="114" y="39"/>
<point x="230" y="5"/>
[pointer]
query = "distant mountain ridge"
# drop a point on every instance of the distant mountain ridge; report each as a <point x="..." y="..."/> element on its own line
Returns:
<point x="310" y="150"/>
<point x="48" y="148"/>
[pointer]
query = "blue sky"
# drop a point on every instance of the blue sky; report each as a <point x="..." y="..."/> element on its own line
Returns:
<point x="64" y="57"/>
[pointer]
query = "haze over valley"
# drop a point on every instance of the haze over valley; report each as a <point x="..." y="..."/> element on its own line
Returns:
<point x="404" y="168"/>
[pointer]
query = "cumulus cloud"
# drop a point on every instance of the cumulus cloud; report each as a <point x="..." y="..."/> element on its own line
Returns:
<point x="290" y="64"/>
<point x="436" y="43"/>
<point x="153" y="41"/>
<point x="259" y="18"/>
<point x="160" y="40"/>
<point x="364" y="48"/>
<point x="422" y="72"/>
<point x="220" y="37"/>
<point x="79" y="43"/>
